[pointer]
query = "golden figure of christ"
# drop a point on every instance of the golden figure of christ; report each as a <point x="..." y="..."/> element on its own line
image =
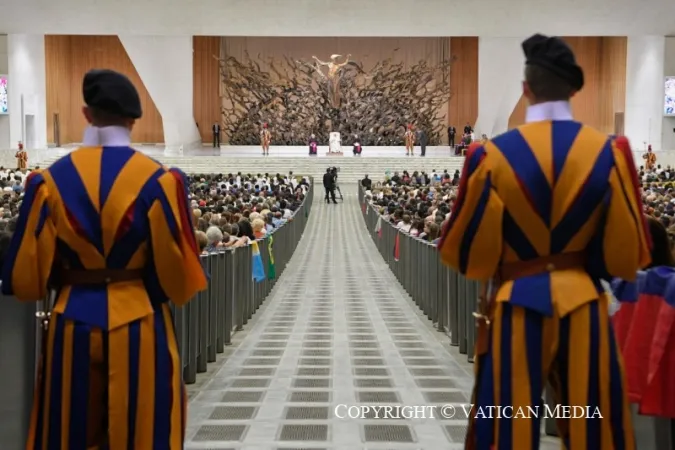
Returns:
<point x="333" y="76"/>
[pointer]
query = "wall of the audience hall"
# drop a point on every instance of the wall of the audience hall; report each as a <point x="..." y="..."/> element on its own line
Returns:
<point x="206" y="79"/>
<point x="603" y="96"/>
<point x="69" y="57"/>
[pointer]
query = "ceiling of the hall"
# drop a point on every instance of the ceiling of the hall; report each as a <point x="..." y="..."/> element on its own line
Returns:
<point x="340" y="17"/>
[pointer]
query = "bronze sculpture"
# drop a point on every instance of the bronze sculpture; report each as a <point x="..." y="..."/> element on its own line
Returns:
<point x="376" y="105"/>
<point x="332" y="79"/>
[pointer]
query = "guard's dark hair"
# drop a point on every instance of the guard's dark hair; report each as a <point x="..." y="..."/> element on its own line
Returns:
<point x="546" y="86"/>
<point x="104" y="118"/>
<point x="661" y="254"/>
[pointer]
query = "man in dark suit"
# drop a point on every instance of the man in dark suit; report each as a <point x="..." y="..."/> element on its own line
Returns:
<point x="468" y="129"/>
<point x="216" y="135"/>
<point x="329" y="184"/>
<point x="422" y="139"/>
<point x="452" y="131"/>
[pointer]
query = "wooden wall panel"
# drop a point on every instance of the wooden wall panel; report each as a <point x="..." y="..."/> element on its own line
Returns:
<point x="463" y="105"/>
<point x="67" y="59"/>
<point x="206" y="80"/>
<point x="604" y="62"/>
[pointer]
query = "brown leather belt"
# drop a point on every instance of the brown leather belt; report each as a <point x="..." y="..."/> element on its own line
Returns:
<point x="543" y="264"/>
<point x="74" y="277"/>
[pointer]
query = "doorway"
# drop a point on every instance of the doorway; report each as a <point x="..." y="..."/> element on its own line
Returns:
<point x="29" y="130"/>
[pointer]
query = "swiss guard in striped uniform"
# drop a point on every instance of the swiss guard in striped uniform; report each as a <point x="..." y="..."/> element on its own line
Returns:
<point x="109" y="230"/>
<point x="545" y="211"/>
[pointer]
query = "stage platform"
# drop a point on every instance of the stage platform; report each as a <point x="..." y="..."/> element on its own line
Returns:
<point x="280" y="151"/>
<point x="248" y="159"/>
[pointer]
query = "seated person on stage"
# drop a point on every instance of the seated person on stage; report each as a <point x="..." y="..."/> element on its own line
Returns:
<point x="313" y="145"/>
<point x="463" y="145"/>
<point x="357" y="146"/>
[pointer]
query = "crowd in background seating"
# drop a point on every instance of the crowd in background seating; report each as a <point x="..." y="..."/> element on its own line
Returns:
<point x="232" y="210"/>
<point x="418" y="204"/>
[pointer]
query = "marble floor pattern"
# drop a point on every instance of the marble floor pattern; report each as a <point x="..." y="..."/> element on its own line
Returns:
<point x="337" y="330"/>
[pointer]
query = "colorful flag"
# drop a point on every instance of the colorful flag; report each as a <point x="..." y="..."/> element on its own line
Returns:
<point x="257" y="264"/>
<point x="271" y="271"/>
<point x="378" y="226"/>
<point x="396" y="246"/>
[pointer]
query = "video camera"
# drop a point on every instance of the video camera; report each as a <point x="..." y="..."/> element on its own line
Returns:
<point x="335" y="169"/>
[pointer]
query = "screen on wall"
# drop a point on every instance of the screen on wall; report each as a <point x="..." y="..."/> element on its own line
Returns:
<point x="4" y="98"/>
<point x="669" y="108"/>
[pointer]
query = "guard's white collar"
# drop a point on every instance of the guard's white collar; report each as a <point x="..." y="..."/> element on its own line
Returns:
<point x="560" y="110"/>
<point x="106" y="137"/>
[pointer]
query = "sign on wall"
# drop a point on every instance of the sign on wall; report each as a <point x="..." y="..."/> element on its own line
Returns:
<point x="4" y="95"/>
<point x="669" y="103"/>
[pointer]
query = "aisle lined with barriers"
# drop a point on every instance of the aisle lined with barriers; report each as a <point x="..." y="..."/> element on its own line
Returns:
<point x="337" y="332"/>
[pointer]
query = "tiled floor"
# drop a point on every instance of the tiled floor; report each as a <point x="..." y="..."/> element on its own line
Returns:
<point x="338" y="330"/>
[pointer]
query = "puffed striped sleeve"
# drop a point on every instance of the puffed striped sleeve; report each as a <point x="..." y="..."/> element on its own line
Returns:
<point x="472" y="240"/>
<point x="626" y="241"/>
<point x="29" y="260"/>
<point x="174" y="246"/>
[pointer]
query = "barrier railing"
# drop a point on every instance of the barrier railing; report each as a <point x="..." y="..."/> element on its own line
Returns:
<point x="203" y="327"/>
<point x="449" y="300"/>
<point x="446" y="297"/>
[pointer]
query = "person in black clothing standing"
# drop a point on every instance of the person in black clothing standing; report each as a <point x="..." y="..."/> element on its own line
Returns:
<point x="468" y="129"/>
<point x="216" y="135"/>
<point x="329" y="185"/>
<point x="452" y="131"/>
<point x="367" y="183"/>
<point x="422" y="139"/>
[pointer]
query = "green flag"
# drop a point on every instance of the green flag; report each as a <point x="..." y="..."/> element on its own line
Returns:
<point x="271" y="272"/>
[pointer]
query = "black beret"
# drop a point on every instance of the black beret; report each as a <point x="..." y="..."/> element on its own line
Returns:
<point x="554" y="54"/>
<point x="111" y="92"/>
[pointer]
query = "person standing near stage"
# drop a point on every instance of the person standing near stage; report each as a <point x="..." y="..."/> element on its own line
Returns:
<point x="216" y="134"/>
<point x="409" y="138"/>
<point x="422" y="139"/>
<point x="544" y="212"/>
<point x="108" y="229"/>
<point x="21" y="157"/>
<point x="265" y="139"/>
<point x="452" y="132"/>
<point x="329" y="182"/>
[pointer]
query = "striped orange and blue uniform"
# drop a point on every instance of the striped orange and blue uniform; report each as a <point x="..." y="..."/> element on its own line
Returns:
<point x="111" y="375"/>
<point x="547" y="188"/>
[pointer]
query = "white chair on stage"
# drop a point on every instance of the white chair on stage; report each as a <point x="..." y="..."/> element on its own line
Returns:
<point x="334" y="143"/>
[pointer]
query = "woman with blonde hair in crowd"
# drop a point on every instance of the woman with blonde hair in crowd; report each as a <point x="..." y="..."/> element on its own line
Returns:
<point x="259" y="228"/>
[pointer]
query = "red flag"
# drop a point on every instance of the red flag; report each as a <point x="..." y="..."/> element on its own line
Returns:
<point x="363" y="208"/>
<point x="396" y="246"/>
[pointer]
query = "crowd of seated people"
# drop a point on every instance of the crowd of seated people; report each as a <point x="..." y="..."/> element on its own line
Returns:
<point x="417" y="203"/>
<point x="658" y="196"/>
<point x="228" y="210"/>
<point x="232" y="210"/>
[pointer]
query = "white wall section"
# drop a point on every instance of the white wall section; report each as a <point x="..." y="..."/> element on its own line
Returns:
<point x="164" y="63"/>
<point x="340" y="17"/>
<point x="500" y="75"/>
<point x="644" y="91"/>
<point x="27" y="90"/>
